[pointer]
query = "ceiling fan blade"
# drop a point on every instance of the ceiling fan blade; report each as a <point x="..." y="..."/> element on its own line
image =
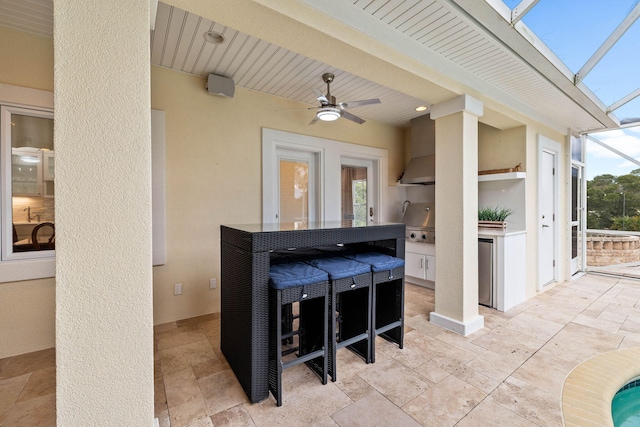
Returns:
<point x="299" y="109"/>
<point x="360" y="103"/>
<point x="320" y="96"/>
<point x="630" y="120"/>
<point x="351" y="117"/>
<point x="313" y="122"/>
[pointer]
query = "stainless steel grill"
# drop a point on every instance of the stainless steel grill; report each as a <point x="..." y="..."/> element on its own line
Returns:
<point x="420" y="219"/>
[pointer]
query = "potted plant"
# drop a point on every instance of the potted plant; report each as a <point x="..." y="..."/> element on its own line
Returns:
<point x="493" y="217"/>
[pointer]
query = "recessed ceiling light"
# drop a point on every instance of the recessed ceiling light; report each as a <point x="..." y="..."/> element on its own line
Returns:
<point x="421" y="108"/>
<point x="213" y="37"/>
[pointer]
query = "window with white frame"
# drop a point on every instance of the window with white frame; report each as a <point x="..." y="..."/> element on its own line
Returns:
<point x="26" y="184"/>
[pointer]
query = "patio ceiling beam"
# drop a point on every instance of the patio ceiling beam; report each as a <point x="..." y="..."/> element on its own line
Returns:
<point x="619" y="103"/>
<point x="608" y="44"/>
<point x="522" y="9"/>
<point x="618" y="152"/>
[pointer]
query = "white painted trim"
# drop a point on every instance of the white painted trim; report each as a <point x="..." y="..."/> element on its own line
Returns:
<point x="462" y="328"/>
<point x="330" y="153"/>
<point x="158" y="187"/>
<point x="465" y="103"/>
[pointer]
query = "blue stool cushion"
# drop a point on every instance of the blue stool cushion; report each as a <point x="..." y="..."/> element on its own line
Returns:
<point x="377" y="261"/>
<point x="339" y="268"/>
<point x="283" y="276"/>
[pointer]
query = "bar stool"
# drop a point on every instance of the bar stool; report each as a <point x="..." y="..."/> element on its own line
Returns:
<point x="289" y="283"/>
<point x="388" y="297"/>
<point x="349" y="307"/>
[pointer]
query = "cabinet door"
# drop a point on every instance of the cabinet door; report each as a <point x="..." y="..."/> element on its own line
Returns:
<point x="48" y="161"/>
<point x="48" y="173"/>
<point x="26" y="172"/>
<point x="415" y="265"/>
<point x="430" y="267"/>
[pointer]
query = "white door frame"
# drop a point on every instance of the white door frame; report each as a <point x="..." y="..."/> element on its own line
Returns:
<point x="311" y="158"/>
<point x="373" y="187"/>
<point x="547" y="145"/>
<point x="329" y="154"/>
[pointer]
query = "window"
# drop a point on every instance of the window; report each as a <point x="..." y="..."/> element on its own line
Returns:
<point x="27" y="186"/>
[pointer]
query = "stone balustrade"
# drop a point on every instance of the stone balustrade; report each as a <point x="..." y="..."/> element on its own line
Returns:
<point x="612" y="249"/>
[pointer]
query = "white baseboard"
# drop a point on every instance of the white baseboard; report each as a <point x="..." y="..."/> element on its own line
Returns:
<point x="461" y="328"/>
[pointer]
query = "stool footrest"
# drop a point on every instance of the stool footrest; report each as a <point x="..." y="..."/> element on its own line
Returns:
<point x="353" y="340"/>
<point x="302" y="359"/>
<point x="388" y="327"/>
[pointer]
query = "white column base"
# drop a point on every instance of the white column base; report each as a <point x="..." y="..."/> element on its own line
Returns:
<point x="461" y="328"/>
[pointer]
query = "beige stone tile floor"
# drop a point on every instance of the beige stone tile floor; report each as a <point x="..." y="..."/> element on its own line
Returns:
<point x="510" y="373"/>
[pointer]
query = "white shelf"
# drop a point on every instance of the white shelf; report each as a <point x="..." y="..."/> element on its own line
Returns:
<point x="399" y="184"/>
<point x="502" y="176"/>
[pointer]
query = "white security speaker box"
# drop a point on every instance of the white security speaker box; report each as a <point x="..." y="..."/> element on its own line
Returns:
<point x="221" y="86"/>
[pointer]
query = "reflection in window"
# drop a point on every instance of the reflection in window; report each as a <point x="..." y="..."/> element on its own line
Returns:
<point x="354" y="194"/>
<point x="294" y="193"/>
<point x="28" y="136"/>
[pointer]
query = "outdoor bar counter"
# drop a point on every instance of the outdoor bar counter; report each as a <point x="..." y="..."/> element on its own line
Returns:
<point x="246" y="253"/>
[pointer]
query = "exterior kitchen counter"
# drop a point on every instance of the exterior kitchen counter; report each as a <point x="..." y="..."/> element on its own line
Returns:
<point x="488" y="232"/>
<point x="245" y="261"/>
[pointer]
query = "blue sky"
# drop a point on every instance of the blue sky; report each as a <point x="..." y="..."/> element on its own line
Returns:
<point x="574" y="30"/>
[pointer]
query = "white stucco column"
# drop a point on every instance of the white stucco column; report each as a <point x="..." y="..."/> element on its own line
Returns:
<point x="456" y="286"/>
<point x="104" y="323"/>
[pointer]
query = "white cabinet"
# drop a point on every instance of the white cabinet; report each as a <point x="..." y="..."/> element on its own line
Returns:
<point x="510" y="265"/>
<point x="420" y="262"/>
<point x="414" y="265"/>
<point x="26" y="172"/>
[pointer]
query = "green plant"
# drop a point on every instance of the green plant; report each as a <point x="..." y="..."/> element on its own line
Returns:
<point x="493" y="214"/>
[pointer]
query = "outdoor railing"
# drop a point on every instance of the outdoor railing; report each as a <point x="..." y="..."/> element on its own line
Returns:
<point x="611" y="247"/>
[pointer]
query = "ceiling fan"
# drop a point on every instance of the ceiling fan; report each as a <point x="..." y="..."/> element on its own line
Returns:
<point x="330" y="110"/>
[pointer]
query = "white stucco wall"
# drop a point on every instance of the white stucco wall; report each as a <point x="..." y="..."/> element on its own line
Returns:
<point x="104" y="326"/>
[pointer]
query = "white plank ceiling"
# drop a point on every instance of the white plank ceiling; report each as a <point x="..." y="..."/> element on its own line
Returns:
<point x="177" y="43"/>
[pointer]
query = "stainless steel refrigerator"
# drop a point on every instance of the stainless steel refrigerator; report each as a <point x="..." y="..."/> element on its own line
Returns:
<point x="485" y="272"/>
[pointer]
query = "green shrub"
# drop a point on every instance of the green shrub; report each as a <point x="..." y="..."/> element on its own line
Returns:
<point x="627" y="223"/>
<point x="493" y="213"/>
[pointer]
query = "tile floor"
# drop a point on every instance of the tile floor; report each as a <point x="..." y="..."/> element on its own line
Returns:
<point x="508" y="374"/>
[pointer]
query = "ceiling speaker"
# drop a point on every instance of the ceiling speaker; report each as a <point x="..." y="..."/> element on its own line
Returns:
<point x="221" y="86"/>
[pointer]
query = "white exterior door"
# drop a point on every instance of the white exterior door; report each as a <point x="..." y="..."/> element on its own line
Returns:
<point x="547" y="218"/>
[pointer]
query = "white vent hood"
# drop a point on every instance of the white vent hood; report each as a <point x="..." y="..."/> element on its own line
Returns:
<point x="422" y="166"/>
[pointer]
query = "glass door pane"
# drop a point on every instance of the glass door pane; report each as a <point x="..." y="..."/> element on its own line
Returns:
<point x="294" y="192"/>
<point x="354" y="194"/>
<point x="576" y="218"/>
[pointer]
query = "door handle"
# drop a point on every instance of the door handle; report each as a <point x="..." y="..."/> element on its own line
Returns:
<point x="544" y="225"/>
<point x="421" y="263"/>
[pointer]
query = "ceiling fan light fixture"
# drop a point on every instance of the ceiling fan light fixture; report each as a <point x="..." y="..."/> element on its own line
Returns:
<point x="328" y="114"/>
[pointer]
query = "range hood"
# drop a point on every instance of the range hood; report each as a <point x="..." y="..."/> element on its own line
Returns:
<point x="420" y="170"/>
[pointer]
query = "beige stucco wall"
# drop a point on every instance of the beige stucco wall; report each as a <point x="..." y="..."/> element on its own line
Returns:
<point x="214" y="176"/>
<point x="27" y="60"/>
<point x="501" y="149"/>
<point x="27" y="309"/>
